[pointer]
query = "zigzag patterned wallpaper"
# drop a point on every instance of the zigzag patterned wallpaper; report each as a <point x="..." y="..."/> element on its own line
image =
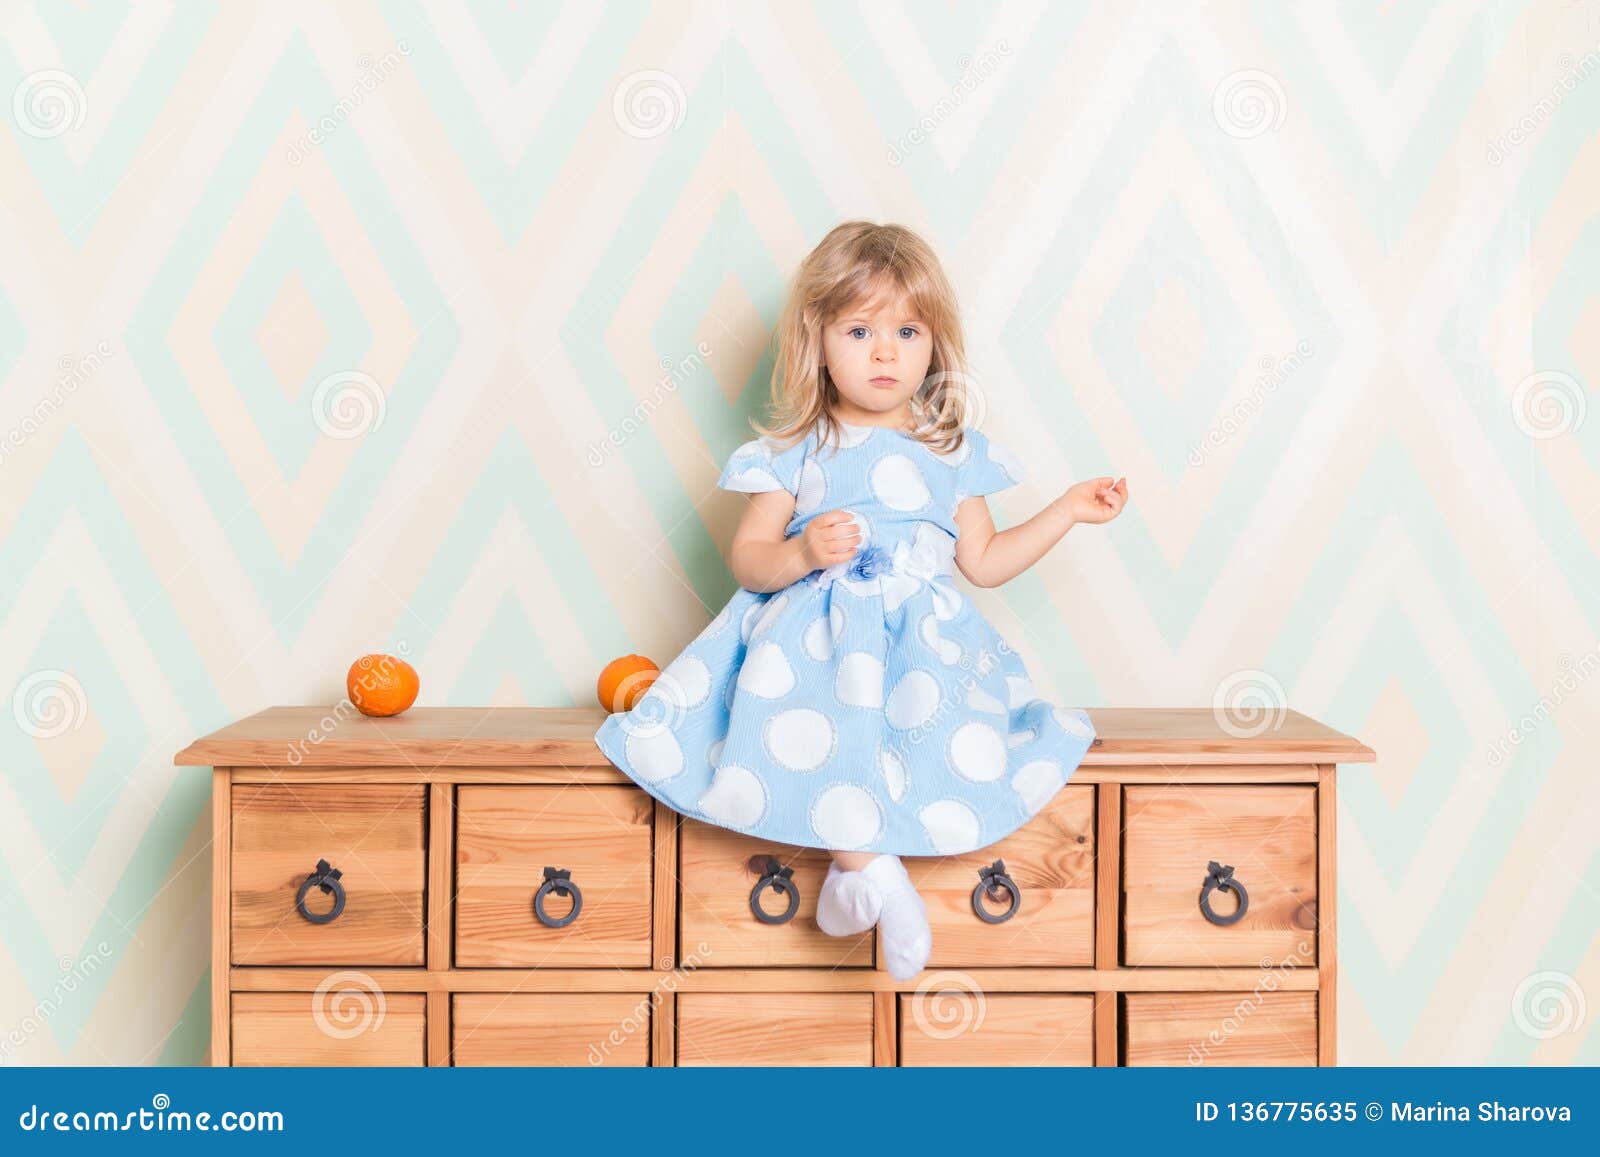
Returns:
<point x="403" y="324"/>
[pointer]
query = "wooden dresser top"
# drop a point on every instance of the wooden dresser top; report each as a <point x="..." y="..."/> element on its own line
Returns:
<point x="564" y="736"/>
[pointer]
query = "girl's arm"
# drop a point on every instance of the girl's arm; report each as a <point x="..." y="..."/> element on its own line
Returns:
<point x="989" y="557"/>
<point x="764" y="560"/>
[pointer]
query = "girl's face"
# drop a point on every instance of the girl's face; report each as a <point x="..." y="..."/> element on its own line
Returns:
<point x="878" y="354"/>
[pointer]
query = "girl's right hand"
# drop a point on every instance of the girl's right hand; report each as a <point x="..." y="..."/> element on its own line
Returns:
<point x="829" y="538"/>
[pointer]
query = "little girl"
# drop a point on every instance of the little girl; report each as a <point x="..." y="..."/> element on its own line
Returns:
<point x="848" y="697"/>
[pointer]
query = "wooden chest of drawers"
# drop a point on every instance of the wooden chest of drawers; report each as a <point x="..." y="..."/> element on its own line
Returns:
<point x="480" y="886"/>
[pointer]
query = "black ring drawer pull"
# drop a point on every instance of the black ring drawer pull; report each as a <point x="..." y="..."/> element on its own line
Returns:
<point x="326" y="878"/>
<point x="776" y="877"/>
<point x="1221" y="876"/>
<point x="559" y="881"/>
<point x="990" y="882"/>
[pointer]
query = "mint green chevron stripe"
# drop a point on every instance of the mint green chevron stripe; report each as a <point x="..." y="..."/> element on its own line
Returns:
<point x="1389" y="199"/>
<point x="731" y="86"/>
<point x="287" y="587"/>
<point x="512" y="190"/>
<point x="1174" y="596"/>
<point x="513" y="480"/>
<point x="1574" y="940"/>
<point x="1021" y="70"/>
<point x="79" y="195"/>
<point x="294" y="246"/>
<point x="1500" y="271"/>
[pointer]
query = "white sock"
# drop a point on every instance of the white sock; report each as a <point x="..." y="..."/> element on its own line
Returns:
<point x="907" y="939"/>
<point x="847" y="905"/>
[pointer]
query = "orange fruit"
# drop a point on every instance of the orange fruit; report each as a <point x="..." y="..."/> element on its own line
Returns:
<point x="624" y="680"/>
<point x="381" y="684"/>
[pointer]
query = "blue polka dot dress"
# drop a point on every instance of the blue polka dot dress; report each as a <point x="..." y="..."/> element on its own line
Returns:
<point x="868" y="706"/>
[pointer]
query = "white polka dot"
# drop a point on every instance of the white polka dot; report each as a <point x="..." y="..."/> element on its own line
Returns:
<point x="801" y="738"/>
<point x="714" y="752"/>
<point x="913" y="700"/>
<point x="1018" y="738"/>
<point x="846" y="816"/>
<point x="860" y="680"/>
<point x="898" y="483"/>
<point x="977" y="752"/>
<point x="751" y="614"/>
<point x="736" y="797"/>
<point x="951" y="825"/>
<point x="817" y="640"/>
<point x="1074" y="722"/>
<point x="653" y="753"/>
<point x="766" y="672"/>
<point x="769" y="614"/>
<point x="1021" y="690"/>
<point x="948" y="650"/>
<point x="1037" y="783"/>
<point x="946" y="601"/>
<point x="980" y="700"/>
<point x="864" y="525"/>
<point x="812" y="489"/>
<point x="893" y="770"/>
<point x="685" y="683"/>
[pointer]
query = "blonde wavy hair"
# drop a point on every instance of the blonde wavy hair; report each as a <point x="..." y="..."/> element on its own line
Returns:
<point x="859" y="262"/>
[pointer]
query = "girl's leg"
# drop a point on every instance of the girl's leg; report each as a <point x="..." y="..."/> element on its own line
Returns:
<point x="866" y="888"/>
<point x="847" y="904"/>
<point x="903" y="920"/>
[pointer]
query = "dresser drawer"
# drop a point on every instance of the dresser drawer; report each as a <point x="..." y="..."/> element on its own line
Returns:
<point x="1219" y="1028"/>
<point x="588" y="1029"/>
<point x="371" y="835"/>
<point x="774" y="1028"/>
<point x="1265" y="835"/>
<point x="718" y="872"/>
<point x="1050" y="865"/>
<point x="962" y="1027"/>
<point x="513" y="841"/>
<point x="356" y="1026"/>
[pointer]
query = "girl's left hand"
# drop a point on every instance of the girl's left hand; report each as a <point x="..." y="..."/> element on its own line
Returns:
<point x="1096" y="500"/>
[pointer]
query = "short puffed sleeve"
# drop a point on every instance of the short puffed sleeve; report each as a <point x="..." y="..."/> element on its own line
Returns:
<point x="989" y="467"/>
<point x="760" y="465"/>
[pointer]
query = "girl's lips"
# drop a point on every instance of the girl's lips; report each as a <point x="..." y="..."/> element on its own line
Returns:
<point x="885" y="381"/>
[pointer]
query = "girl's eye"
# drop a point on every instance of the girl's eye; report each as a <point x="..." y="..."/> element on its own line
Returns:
<point x="858" y="331"/>
<point x="908" y="332"/>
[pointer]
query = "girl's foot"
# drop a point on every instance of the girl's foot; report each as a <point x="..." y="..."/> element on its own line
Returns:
<point x="907" y="939"/>
<point x="847" y="905"/>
